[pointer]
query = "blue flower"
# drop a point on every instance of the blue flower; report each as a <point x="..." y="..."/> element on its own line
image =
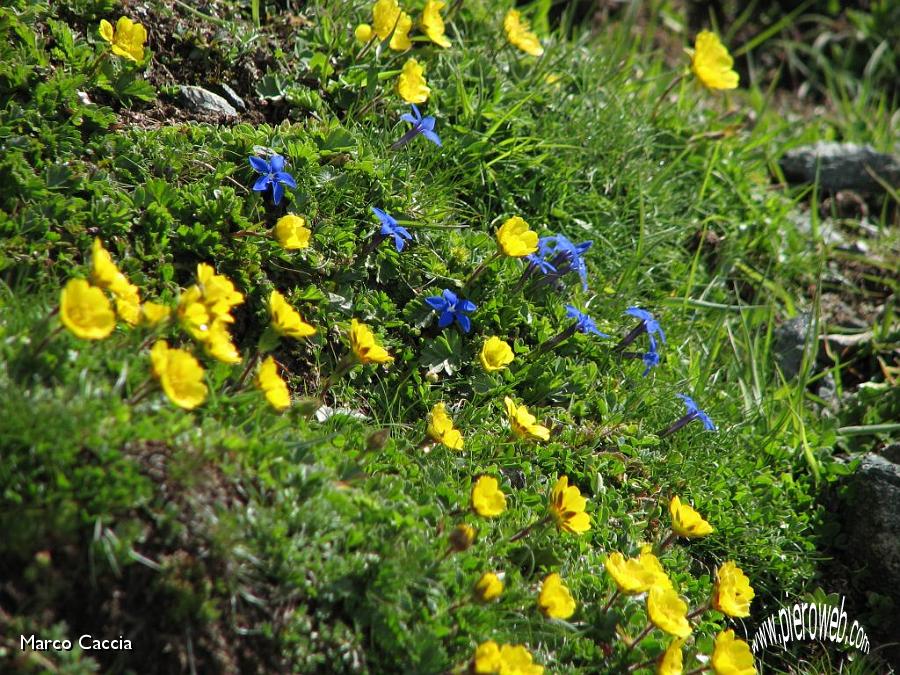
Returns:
<point x="558" y="248"/>
<point x="650" y="359"/>
<point x="390" y="228"/>
<point x="273" y="174"/>
<point x="583" y="322"/>
<point x="421" y="125"/>
<point x="452" y="308"/>
<point x="543" y="265"/>
<point x="694" y="412"/>
<point x="650" y="324"/>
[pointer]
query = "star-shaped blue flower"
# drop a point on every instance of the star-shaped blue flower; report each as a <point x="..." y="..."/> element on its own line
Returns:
<point x="541" y="264"/>
<point x="452" y="309"/>
<point x="650" y="359"/>
<point x="558" y="248"/>
<point x="421" y="125"/>
<point x="694" y="412"/>
<point x="583" y="322"/>
<point x="391" y="228"/>
<point x="273" y="174"/>
<point x="650" y="324"/>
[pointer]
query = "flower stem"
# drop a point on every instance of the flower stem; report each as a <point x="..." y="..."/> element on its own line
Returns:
<point x="251" y="362"/>
<point x="345" y="364"/>
<point x="697" y="612"/>
<point x="662" y="97"/>
<point x="557" y="340"/>
<point x="638" y="666"/>
<point x="525" y="531"/>
<point x="666" y="543"/>
<point x="631" y="337"/>
<point x="644" y="633"/>
<point x="480" y="270"/>
<point x="49" y="336"/>
<point x="141" y="392"/>
<point x="611" y="600"/>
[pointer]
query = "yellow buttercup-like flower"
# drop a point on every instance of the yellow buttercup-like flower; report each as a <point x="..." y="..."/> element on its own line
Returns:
<point x="636" y="575"/>
<point x="363" y="32"/>
<point x="555" y="599"/>
<point x="217" y="291"/>
<point x="411" y="84"/>
<point x="127" y="39"/>
<point x="496" y="354"/>
<point x="270" y="383"/>
<point x="733" y="592"/>
<point x="567" y="507"/>
<point x="516" y="660"/>
<point x="292" y="233"/>
<point x="462" y="537"/>
<point x="105" y="274"/>
<point x="153" y="313"/>
<point x="389" y="19"/>
<point x="363" y="344"/>
<point x="519" y="34"/>
<point x="686" y="522"/>
<point x="671" y="663"/>
<point x="516" y="238"/>
<point x="488" y="499"/>
<point x="668" y="612"/>
<point x="711" y="62"/>
<point x="218" y="343"/>
<point x="487" y="658"/>
<point x="180" y="375"/>
<point x="441" y="429"/>
<point x="433" y="24"/>
<point x="732" y="656"/>
<point x="128" y="304"/>
<point x="85" y="310"/>
<point x="523" y="423"/>
<point x="286" y="320"/>
<point x="488" y="587"/>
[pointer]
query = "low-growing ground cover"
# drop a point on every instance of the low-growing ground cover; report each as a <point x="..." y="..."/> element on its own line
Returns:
<point x="222" y="528"/>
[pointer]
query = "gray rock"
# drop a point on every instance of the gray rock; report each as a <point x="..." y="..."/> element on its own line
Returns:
<point x="199" y="99"/>
<point x="840" y="166"/>
<point x="790" y="341"/>
<point x="231" y="96"/>
<point x="892" y="453"/>
<point x="827" y="391"/>
<point x="871" y="520"/>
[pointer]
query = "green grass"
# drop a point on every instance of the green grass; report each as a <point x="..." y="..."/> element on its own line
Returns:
<point x="232" y="538"/>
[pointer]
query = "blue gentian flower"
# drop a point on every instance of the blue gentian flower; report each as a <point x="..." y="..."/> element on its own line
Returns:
<point x="390" y="228"/>
<point x="558" y="248"/>
<point x="421" y="125"/>
<point x="452" y="309"/>
<point x="694" y="412"/>
<point x="650" y="359"/>
<point x="583" y="322"/>
<point x="650" y="324"/>
<point x="273" y="174"/>
<point x="541" y="264"/>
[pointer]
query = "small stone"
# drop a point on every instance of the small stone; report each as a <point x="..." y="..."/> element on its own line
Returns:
<point x="790" y="341"/>
<point x="199" y="99"/>
<point x="231" y="96"/>
<point x="840" y="166"/>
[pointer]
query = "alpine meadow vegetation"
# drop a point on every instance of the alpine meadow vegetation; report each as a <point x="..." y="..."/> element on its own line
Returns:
<point x="295" y="390"/>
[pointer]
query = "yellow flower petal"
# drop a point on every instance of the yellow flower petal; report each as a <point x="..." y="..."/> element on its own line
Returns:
<point x="411" y="84"/>
<point x="292" y="233"/>
<point x="488" y="499"/>
<point x="180" y="374"/>
<point x="488" y="587"/>
<point x="686" y="522"/>
<point x="732" y="656"/>
<point x="519" y="34"/>
<point x="555" y="600"/>
<point x="668" y="612"/>
<point x="85" y="310"/>
<point x="363" y="344"/>
<point x="433" y="23"/>
<point x="712" y="64"/>
<point x="496" y="354"/>
<point x="272" y="385"/>
<point x="516" y="238"/>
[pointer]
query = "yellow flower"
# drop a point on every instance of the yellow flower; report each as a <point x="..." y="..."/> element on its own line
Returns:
<point x="487" y="658"/>
<point x="286" y="320"/>
<point x="180" y="375"/>
<point x="194" y="315"/>
<point x="411" y="84"/>
<point x="385" y="14"/>
<point x="668" y="612"/>
<point x="104" y="272"/>
<point x="516" y="238"/>
<point x="292" y="233"/>
<point x="711" y="62"/>
<point x="461" y="537"/>
<point x="567" y="507"/>
<point x="400" y="41"/>
<point x="732" y="656"/>
<point x="733" y="592"/>
<point x="555" y="600"/>
<point x="433" y="24"/>
<point x="217" y="291"/>
<point x="153" y="313"/>
<point x="686" y="522"/>
<point x="670" y="663"/>
<point x="85" y="310"/>
<point x="636" y="575"/>
<point x="218" y="343"/>
<point x="519" y="34"/>
<point x="363" y="32"/>
<point x="488" y="499"/>
<point x="523" y="423"/>
<point x="516" y="660"/>
<point x="363" y="344"/>
<point x="488" y="587"/>
<point x="127" y="39"/>
<point x="496" y="354"/>
<point x="128" y="303"/>
<point x="441" y="429"/>
<point x="270" y="383"/>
